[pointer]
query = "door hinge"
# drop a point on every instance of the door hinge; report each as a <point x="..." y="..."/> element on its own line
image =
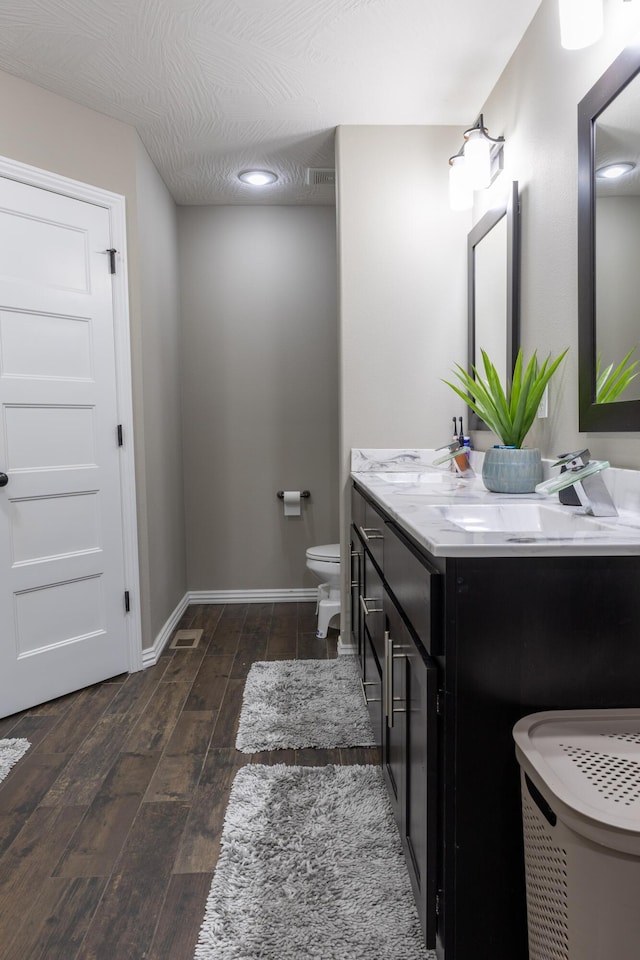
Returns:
<point x="127" y="602"/>
<point x="438" y="902"/>
<point x="119" y="430"/>
<point x="439" y="705"/>
<point x="112" y="259"/>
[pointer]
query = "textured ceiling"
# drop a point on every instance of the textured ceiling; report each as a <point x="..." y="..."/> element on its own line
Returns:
<point x="216" y="86"/>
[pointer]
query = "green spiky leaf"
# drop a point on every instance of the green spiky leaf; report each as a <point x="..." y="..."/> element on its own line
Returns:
<point x="509" y="412"/>
<point x="610" y="383"/>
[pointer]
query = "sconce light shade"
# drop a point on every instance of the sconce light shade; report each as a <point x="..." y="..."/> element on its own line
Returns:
<point x="477" y="158"/>
<point x="581" y="23"/>
<point x="473" y="165"/>
<point x="460" y="189"/>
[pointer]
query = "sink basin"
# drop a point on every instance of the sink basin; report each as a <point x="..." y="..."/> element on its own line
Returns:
<point x="417" y="476"/>
<point x="530" y="519"/>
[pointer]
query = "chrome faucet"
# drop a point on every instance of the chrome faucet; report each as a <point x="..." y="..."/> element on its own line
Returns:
<point x="457" y="456"/>
<point x="584" y="476"/>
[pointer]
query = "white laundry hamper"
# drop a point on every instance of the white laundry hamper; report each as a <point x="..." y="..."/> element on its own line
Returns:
<point x="580" y="779"/>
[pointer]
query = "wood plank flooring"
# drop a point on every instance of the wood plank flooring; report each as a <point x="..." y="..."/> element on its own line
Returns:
<point x="110" y="825"/>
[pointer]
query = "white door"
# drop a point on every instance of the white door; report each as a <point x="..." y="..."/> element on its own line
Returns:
<point x="62" y="588"/>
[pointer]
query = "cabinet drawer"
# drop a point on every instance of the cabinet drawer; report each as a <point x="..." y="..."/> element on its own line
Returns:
<point x="416" y="586"/>
<point x="358" y="508"/>
<point x="370" y="524"/>
<point x="372" y="532"/>
<point x="357" y="587"/>
<point x="371" y="606"/>
<point x="372" y="688"/>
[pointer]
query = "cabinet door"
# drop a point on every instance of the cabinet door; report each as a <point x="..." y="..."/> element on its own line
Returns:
<point x="409" y="751"/>
<point x="420" y="813"/>
<point x="397" y="643"/>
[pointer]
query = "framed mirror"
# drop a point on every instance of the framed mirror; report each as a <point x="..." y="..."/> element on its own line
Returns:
<point x="493" y="291"/>
<point x="609" y="245"/>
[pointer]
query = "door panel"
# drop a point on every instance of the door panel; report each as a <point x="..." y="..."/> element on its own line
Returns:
<point x="59" y="613"/>
<point x="61" y="540"/>
<point x="46" y="527"/>
<point x="40" y="437"/>
<point x="37" y="345"/>
<point x="40" y="252"/>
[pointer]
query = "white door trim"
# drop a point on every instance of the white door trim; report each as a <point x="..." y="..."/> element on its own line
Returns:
<point x="115" y="204"/>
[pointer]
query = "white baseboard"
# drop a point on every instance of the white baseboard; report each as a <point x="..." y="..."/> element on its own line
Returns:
<point x="150" y="655"/>
<point x="349" y="649"/>
<point x="252" y="596"/>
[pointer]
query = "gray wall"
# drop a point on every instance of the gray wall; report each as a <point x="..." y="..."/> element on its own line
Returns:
<point x="48" y="131"/>
<point x="260" y="391"/>
<point x="160" y="429"/>
<point x="534" y="104"/>
<point x="402" y="282"/>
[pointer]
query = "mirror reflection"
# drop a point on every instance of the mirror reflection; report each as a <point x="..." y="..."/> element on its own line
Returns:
<point x="493" y="290"/>
<point x="609" y="248"/>
<point x="617" y="247"/>
<point x="491" y="298"/>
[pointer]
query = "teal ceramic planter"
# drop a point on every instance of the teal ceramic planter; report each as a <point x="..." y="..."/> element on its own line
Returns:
<point x="507" y="470"/>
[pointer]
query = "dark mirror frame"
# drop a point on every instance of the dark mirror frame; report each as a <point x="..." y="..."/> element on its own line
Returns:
<point x="510" y="210"/>
<point x="621" y="414"/>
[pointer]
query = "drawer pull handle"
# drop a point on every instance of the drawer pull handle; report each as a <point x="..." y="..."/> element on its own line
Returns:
<point x="364" y="684"/>
<point x="389" y="699"/>
<point x="355" y="556"/>
<point x="365" y="609"/>
<point x="371" y="533"/>
<point x="388" y="678"/>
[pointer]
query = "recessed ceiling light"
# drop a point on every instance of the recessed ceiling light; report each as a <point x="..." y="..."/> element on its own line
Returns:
<point x="258" y="178"/>
<point x="614" y="170"/>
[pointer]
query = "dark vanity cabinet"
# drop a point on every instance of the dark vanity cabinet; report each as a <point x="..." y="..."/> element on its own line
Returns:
<point x="400" y="686"/>
<point x="453" y="651"/>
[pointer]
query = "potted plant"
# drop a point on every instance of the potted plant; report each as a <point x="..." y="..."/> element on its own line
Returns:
<point x="510" y="412"/>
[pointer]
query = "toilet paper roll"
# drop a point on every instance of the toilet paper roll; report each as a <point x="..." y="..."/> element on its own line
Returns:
<point x="291" y="503"/>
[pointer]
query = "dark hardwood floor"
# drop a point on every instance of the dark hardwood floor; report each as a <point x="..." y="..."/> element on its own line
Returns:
<point x="110" y="825"/>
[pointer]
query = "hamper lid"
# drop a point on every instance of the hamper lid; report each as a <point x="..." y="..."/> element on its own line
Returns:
<point x="589" y="759"/>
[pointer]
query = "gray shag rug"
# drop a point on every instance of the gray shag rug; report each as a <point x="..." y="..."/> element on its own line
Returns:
<point x="10" y="752"/>
<point x="292" y="704"/>
<point x="310" y="866"/>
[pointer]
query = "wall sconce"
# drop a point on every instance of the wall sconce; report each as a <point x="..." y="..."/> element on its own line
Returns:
<point x="474" y="166"/>
<point x="581" y="23"/>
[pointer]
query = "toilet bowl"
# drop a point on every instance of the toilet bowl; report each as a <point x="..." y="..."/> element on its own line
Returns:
<point x="324" y="563"/>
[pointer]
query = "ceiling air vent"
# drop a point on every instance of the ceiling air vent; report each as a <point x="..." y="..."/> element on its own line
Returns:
<point x="321" y="176"/>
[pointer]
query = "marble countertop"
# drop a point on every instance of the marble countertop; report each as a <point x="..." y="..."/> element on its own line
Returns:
<point x="454" y="517"/>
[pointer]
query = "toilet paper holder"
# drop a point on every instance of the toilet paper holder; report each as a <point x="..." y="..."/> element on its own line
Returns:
<point x="303" y="493"/>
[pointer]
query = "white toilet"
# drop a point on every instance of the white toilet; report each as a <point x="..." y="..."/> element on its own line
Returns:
<point x="324" y="563"/>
